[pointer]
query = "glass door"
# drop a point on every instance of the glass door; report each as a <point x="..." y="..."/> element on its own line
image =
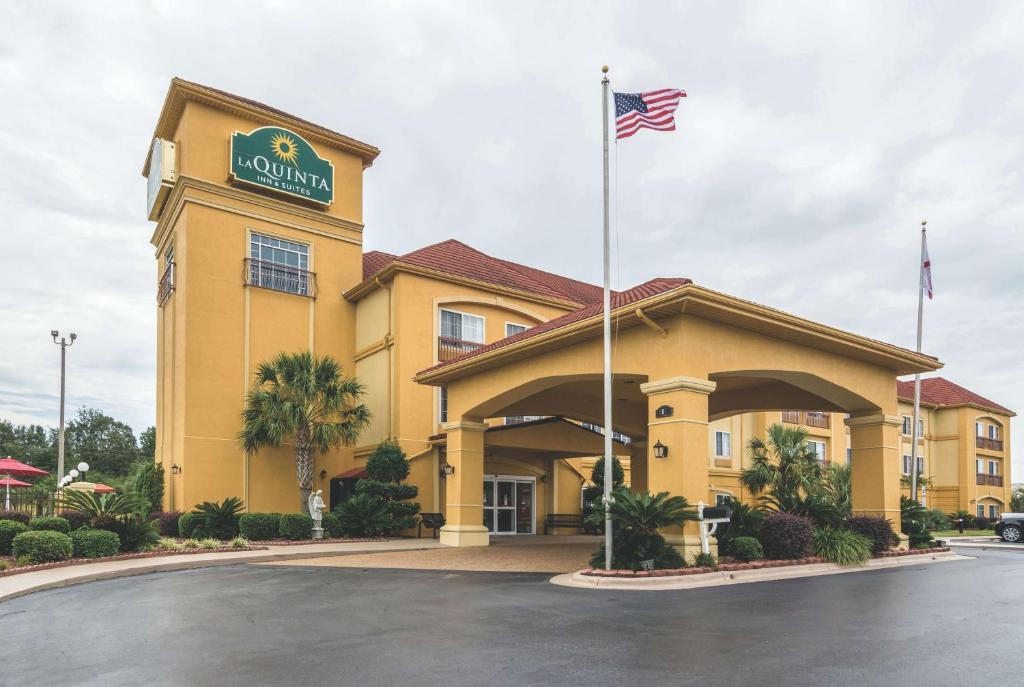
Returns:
<point x="508" y="505"/>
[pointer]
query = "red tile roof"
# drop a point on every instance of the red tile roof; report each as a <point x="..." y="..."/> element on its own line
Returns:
<point x="456" y="258"/>
<point x="939" y="391"/>
<point x="619" y="299"/>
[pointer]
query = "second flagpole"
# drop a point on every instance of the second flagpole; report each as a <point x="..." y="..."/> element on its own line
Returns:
<point x="608" y="473"/>
<point x="914" y="433"/>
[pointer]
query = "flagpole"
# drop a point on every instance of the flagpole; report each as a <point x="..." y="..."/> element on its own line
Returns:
<point x="917" y="377"/>
<point x="608" y="472"/>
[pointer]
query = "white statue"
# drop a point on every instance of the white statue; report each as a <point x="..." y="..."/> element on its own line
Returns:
<point x="316" y="508"/>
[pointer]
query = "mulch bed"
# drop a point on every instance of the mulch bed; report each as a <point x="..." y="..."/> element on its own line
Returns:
<point x="729" y="567"/>
<point x="119" y="557"/>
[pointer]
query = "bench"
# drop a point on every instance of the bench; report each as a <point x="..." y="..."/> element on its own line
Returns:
<point x="567" y="520"/>
<point x="434" y="521"/>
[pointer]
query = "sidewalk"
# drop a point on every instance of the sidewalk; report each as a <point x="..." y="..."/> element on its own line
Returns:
<point x="18" y="585"/>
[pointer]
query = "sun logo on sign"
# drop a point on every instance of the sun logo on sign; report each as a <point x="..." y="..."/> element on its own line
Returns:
<point x="283" y="146"/>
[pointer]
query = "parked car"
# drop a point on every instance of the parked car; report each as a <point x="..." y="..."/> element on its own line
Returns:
<point x="1010" y="527"/>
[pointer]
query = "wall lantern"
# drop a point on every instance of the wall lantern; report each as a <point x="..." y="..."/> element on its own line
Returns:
<point x="543" y="479"/>
<point x="447" y="470"/>
<point x="323" y="474"/>
<point x="660" y="450"/>
<point x="175" y="469"/>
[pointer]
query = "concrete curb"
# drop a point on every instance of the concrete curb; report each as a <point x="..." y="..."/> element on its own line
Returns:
<point x="986" y="545"/>
<point x="718" y="579"/>
<point x="13" y="586"/>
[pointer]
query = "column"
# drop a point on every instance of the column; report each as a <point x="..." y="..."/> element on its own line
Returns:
<point x="875" y="451"/>
<point x="682" y="427"/>
<point x="464" y="488"/>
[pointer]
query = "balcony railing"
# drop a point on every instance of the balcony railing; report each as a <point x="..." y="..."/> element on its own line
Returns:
<point x="809" y="418"/>
<point x="271" y="275"/>
<point x="166" y="287"/>
<point x="990" y="444"/>
<point x="448" y="348"/>
<point x="989" y="480"/>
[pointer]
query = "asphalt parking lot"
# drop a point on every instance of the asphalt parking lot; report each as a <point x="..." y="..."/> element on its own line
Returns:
<point x="940" y="624"/>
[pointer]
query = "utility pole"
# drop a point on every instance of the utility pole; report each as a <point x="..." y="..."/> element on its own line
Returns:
<point x="64" y="343"/>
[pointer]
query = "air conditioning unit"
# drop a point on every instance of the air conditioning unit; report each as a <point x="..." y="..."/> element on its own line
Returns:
<point x="163" y="168"/>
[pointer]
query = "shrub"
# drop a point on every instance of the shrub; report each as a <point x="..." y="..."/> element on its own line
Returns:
<point x="843" y="547"/>
<point x="912" y="515"/>
<point x="785" y="536"/>
<point x="362" y="516"/>
<point x="982" y="523"/>
<point x="969" y="520"/>
<point x="387" y="463"/>
<point x="147" y="480"/>
<point x="876" y="529"/>
<point x="9" y="529"/>
<point x="50" y="522"/>
<point x="170" y="544"/>
<point x="218" y="520"/>
<point x="166" y="522"/>
<point x="332" y="525"/>
<point x="14" y="515"/>
<point x="75" y="518"/>
<point x="42" y="546"/>
<point x="239" y="543"/>
<point x="637" y="517"/>
<point x="190" y="544"/>
<point x="744" y="522"/>
<point x="296" y="526"/>
<point x="135" y="532"/>
<point x="187" y="526"/>
<point x="386" y="467"/>
<point x="746" y="549"/>
<point x="102" y="506"/>
<point x="705" y="560"/>
<point x="209" y="543"/>
<point x="259" y="526"/>
<point x="935" y="519"/>
<point x="3" y="565"/>
<point x="91" y="543"/>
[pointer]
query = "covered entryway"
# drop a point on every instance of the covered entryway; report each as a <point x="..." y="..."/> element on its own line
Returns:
<point x="683" y="355"/>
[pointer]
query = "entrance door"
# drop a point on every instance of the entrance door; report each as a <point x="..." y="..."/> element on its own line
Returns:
<point x="509" y="504"/>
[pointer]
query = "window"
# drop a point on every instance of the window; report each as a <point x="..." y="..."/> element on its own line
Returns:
<point x="723" y="444"/>
<point x="166" y="285"/>
<point x="920" y="427"/>
<point x="280" y="265"/>
<point x="993" y="511"/>
<point x="517" y="419"/>
<point x="462" y="327"/>
<point x="600" y="430"/>
<point x="993" y="432"/>
<point x="849" y="455"/>
<point x="981" y="510"/>
<point x="818" y="448"/>
<point x="722" y="499"/>
<point x="906" y="425"/>
<point x="906" y="463"/>
<point x="979" y="429"/>
<point x="511" y="328"/>
<point x="981" y="465"/>
<point x="443" y="405"/>
<point x="993" y="467"/>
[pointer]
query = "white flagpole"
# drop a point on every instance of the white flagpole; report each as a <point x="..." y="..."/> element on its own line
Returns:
<point x="608" y="473"/>
<point x="917" y="377"/>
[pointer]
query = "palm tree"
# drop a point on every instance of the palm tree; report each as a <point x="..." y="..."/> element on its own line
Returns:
<point x="784" y="470"/>
<point x="305" y="398"/>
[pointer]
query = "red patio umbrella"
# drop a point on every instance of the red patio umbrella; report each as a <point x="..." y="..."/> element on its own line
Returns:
<point x="100" y="488"/>
<point x="11" y="482"/>
<point x="8" y="467"/>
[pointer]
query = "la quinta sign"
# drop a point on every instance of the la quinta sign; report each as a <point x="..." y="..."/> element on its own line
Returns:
<point x="282" y="161"/>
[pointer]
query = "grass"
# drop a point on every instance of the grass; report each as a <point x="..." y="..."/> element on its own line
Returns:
<point x="967" y="533"/>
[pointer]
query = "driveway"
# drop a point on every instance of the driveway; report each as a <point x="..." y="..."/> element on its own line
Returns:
<point x="934" y="625"/>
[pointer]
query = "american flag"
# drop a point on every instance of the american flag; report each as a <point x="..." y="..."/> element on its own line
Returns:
<point x="650" y="110"/>
<point x="926" y="269"/>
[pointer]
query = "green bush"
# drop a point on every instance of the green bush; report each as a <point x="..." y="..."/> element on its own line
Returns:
<point x="386" y="467"/>
<point x="362" y="516"/>
<point x="705" y="560"/>
<point x="746" y="549"/>
<point x="42" y="546"/>
<point x="745" y="521"/>
<point x="912" y="522"/>
<point x="218" y="520"/>
<point x="786" y="536"/>
<point x="876" y="529"/>
<point x="387" y="463"/>
<point x="9" y="529"/>
<point x="296" y="526"/>
<point x="188" y="526"/>
<point x="935" y="519"/>
<point x="637" y="517"/>
<point x="260" y="526"/>
<point x="75" y="518"/>
<point x="147" y="480"/>
<point x="840" y="546"/>
<point x="50" y="522"/>
<point x="239" y="543"/>
<point x="90" y="543"/>
<point x="332" y="525"/>
<point x="17" y="516"/>
<point x="209" y="543"/>
<point x="135" y="532"/>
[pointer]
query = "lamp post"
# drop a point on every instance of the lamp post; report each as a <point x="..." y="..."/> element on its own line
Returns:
<point x="64" y="343"/>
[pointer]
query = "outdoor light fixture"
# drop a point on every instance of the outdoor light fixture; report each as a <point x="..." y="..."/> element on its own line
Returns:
<point x="447" y="470"/>
<point x="660" y="450"/>
<point x="323" y="474"/>
<point x="543" y="479"/>
<point x="175" y="469"/>
<point x="83" y="467"/>
<point x="73" y="472"/>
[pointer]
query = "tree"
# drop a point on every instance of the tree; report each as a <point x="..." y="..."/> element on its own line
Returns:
<point x="106" y="444"/>
<point x="592" y="494"/>
<point x="147" y="443"/>
<point x="386" y="470"/>
<point x="305" y="398"/>
<point x="636" y="519"/>
<point x="147" y="480"/>
<point x="1017" y="501"/>
<point x="32" y="444"/>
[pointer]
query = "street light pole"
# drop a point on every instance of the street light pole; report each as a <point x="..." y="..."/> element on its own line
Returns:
<point x="64" y="343"/>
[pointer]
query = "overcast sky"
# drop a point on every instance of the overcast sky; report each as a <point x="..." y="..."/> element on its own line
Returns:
<point x="815" y="138"/>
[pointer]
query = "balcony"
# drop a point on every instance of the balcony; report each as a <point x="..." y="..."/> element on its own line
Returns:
<point x="277" y="277"/>
<point x="989" y="480"/>
<point x="990" y="444"/>
<point x="166" y="286"/>
<point x="448" y="348"/>
<point x="809" y="418"/>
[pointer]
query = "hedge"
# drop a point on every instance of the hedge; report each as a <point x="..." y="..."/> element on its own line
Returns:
<point x="296" y="526"/>
<point x="187" y="527"/>
<point x="90" y="543"/>
<point x="746" y="549"/>
<point x="9" y="529"/>
<point x="42" y="546"/>
<point x="332" y="526"/>
<point x="50" y="522"/>
<point x="15" y="515"/>
<point x="167" y="522"/>
<point x="75" y="518"/>
<point x="876" y="529"/>
<point x="786" y="536"/>
<point x="260" y="526"/>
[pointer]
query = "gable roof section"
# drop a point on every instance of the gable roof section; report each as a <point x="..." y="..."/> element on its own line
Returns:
<point x="457" y="259"/>
<point x="940" y="392"/>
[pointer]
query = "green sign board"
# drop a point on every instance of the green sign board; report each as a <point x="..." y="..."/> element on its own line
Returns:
<point x="281" y="160"/>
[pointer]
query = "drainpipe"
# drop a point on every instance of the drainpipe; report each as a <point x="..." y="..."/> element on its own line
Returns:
<point x="388" y="344"/>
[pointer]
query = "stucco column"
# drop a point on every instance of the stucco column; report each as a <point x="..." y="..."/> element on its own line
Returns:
<point x="684" y="430"/>
<point x="464" y="507"/>
<point x="875" y="451"/>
